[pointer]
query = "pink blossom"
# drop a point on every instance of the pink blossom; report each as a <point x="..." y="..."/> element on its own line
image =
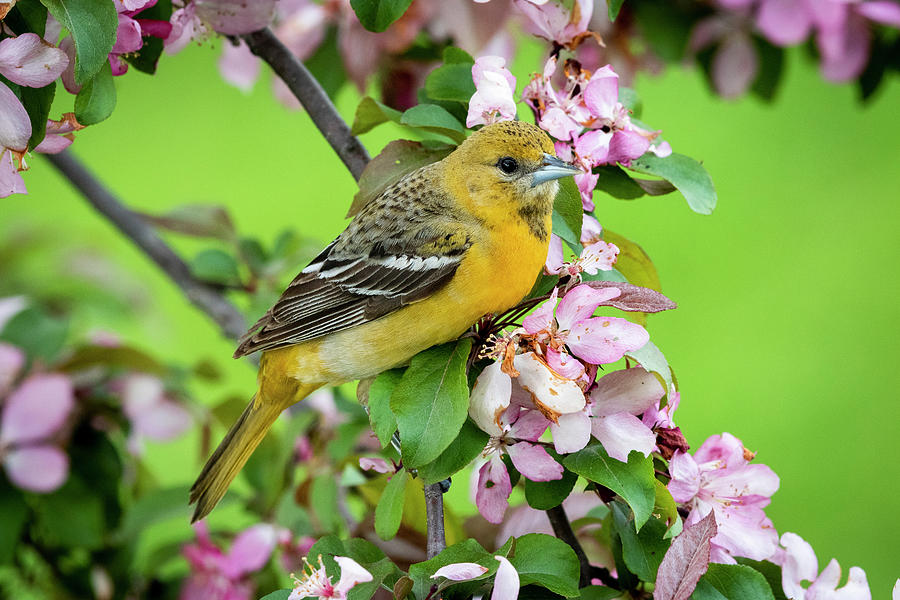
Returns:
<point x="315" y="582"/>
<point x="516" y="440"/>
<point x="798" y="564"/>
<point x="32" y="415"/>
<point x="720" y="478"/>
<point x="379" y="465"/>
<point x="59" y="134"/>
<point x="293" y="551"/>
<point x="152" y="413"/>
<point x="598" y="256"/>
<point x="597" y="340"/>
<point x="30" y="61"/>
<point x="554" y="22"/>
<point x="460" y="571"/>
<point x="615" y="401"/>
<point x="494" y="88"/>
<point x="225" y="575"/>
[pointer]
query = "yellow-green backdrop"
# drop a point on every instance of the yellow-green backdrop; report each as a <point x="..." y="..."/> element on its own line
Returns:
<point x="785" y="334"/>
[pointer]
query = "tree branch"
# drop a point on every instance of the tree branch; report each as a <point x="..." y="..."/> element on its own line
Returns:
<point x="563" y="530"/>
<point x="204" y="296"/>
<point x="309" y="92"/>
<point x="434" y="519"/>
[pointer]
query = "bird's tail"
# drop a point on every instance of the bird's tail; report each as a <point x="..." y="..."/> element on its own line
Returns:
<point x="239" y="443"/>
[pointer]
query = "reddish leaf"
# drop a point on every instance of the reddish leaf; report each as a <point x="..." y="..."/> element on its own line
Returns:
<point x="686" y="561"/>
<point x="635" y="298"/>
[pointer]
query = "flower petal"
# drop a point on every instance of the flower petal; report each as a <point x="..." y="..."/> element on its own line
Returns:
<point x="490" y="398"/>
<point x="602" y="92"/>
<point x="621" y="433"/>
<point x="552" y="395"/>
<point x="798" y="564"/>
<point x="11" y="181"/>
<point x="734" y="65"/>
<point x="604" y="340"/>
<point x="542" y="317"/>
<point x="39" y="469"/>
<point x="564" y="364"/>
<point x="379" y="465"/>
<point x="28" y="60"/>
<point x="128" y="36"/>
<point x="627" y="390"/>
<point x="236" y="17"/>
<point x="250" y="551"/>
<point x="15" y="126"/>
<point x="37" y="408"/>
<point x="572" y="432"/>
<point x="352" y="573"/>
<point x="554" y="263"/>
<point x="784" y="22"/>
<point x="530" y="425"/>
<point x="493" y="490"/>
<point x="580" y="302"/>
<point x="506" y="581"/>
<point x="460" y="571"/>
<point x="238" y="66"/>
<point x="685" y="483"/>
<point x="12" y="359"/>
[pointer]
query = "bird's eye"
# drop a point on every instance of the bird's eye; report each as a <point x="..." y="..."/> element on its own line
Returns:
<point x="508" y="165"/>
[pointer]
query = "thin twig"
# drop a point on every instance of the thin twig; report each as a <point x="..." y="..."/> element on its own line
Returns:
<point x="309" y="92"/>
<point x="204" y="296"/>
<point x="434" y="519"/>
<point x="563" y="530"/>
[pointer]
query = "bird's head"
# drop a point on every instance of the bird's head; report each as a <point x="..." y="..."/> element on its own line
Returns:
<point x="509" y="168"/>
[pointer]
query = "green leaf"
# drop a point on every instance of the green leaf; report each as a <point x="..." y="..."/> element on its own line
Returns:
<point x="384" y="423"/>
<point x="617" y="183"/>
<point x="93" y="25"/>
<point x="664" y="505"/>
<point x="634" y="264"/>
<point x="377" y="15"/>
<point x="389" y="510"/>
<point x="706" y="591"/>
<point x="613" y="8"/>
<point x="630" y="100"/>
<point x="451" y="82"/>
<point x="37" y="102"/>
<point x="55" y="522"/>
<point x="396" y="160"/>
<point x="598" y="592"/>
<point x="666" y="27"/>
<point x="461" y="451"/>
<point x="28" y="17"/>
<point x="323" y="495"/>
<point x="734" y="582"/>
<point x="770" y="571"/>
<point x="643" y="551"/>
<point x="97" y="98"/>
<point x="154" y="507"/>
<point x="15" y="514"/>
<point x="568" y="214"/>
<point x="37" y="332"/>
<point x="544" y="495"/>
<point x="431" y="402"/>
<point x="548" y="562"/>
<point x="633" y="481"/>
<point x="278" y="595"/>
<point x="453" y="55"/>
<point x="436" y="119"/>
<point x="326" y="64"/>
<point x="370" y="113"/>
<point x="684" y="173"/>
<point x="216" y="266"/>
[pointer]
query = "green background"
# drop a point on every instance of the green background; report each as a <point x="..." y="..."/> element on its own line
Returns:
<point x="786" y="329"/>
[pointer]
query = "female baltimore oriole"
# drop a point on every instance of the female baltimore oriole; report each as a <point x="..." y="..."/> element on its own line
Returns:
<point x="423" y="261"/>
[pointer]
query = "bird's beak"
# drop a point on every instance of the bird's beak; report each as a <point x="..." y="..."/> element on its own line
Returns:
<point x="553" y="168"/>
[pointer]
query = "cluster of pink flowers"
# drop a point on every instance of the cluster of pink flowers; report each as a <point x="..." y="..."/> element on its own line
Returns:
<point x="584" y="114"/>
<point x="226" y="575"/>
<point x="547" y="378"/>
<point x="842" y="31"/>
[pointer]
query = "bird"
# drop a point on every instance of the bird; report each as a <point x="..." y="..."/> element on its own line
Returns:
<point x="422" y="262"/>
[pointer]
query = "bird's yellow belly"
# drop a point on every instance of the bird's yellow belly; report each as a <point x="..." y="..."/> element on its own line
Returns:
<point x="489" y="280"/>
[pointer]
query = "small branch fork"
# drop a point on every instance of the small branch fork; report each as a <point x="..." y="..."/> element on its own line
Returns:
<point x="210" y="299"/>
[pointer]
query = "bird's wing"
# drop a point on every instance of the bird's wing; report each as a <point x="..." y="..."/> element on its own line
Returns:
<point x="365" y="274"/>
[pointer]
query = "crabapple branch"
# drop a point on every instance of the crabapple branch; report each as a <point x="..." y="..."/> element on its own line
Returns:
<point x="204" y="296"/>
<point x="309" y="92"/>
